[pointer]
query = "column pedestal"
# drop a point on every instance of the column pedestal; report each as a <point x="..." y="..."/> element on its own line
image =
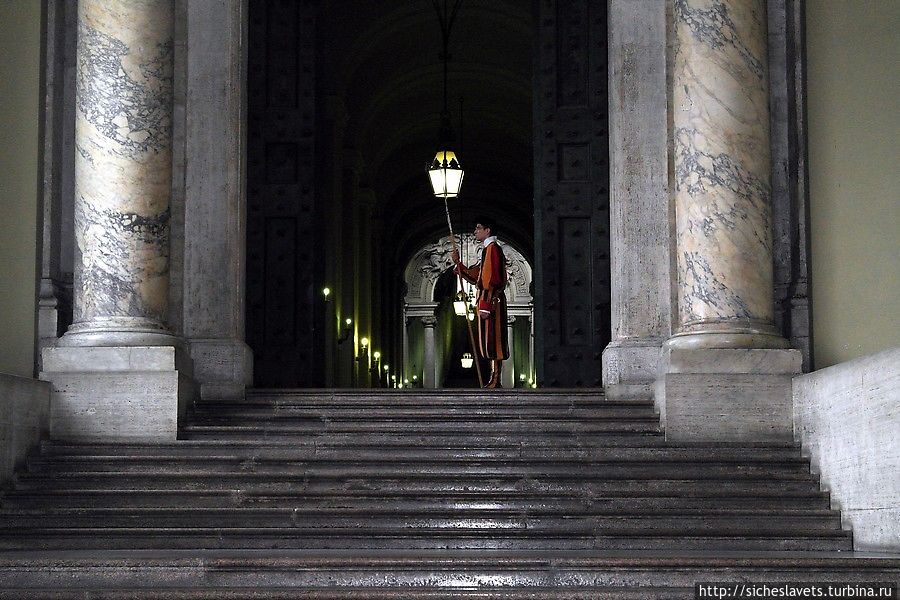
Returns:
<point x="727" y="394"/>
<point x="135" y="393"/>
<point x="223" y="368"/>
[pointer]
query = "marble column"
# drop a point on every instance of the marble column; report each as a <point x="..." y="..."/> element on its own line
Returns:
<point x="123" y="171"/>
<point x="508" y="377"/>
<point x="639" y="201"/>
<point x="429" y="376"/>
<point x="118" y="346"/>
<point x="722" y="176"/>
<point x="727" y="369"/>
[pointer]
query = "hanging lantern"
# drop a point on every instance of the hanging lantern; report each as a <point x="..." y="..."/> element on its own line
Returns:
<point x="446" y="174"/>
<point x="466" y="360"/>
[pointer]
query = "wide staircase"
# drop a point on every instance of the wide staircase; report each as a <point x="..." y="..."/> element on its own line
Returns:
<point x="408" y="494"/>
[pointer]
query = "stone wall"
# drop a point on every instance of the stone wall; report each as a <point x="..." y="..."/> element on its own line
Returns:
<point x="847" y="418"/>
<point x="24" y="419"/>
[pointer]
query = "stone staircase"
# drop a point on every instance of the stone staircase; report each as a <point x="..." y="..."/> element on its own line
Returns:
<point x="390" y="494"/>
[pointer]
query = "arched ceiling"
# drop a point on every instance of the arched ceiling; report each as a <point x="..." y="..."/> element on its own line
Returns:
<point x="380" y="59"/>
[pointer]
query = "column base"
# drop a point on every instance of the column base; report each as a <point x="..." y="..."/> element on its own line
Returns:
<point x="118" y="332"/>
<point x="133" y="393"/>
<point x="630" y="367"/>
<point x="728" y="335"/>
<point x="223" y="368"/>
<point x="726" y="394"/>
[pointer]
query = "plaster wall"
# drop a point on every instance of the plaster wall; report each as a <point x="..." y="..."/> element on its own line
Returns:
<point x="853" y="100"/>
<point x="20" y="56"/>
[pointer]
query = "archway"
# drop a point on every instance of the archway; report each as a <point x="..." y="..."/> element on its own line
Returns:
<point x="431" y="331"/>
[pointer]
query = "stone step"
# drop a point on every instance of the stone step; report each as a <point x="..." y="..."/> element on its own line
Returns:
<point x="396" y="517"/>
<point x="305" y="450"/>
<point x="534" y="428"/>
<point x="487" y="416"/>
<point x="421" y="397"/>
<point x="362" y="593"/>
<point x="490" y="525"/>
<point x="587" y="470"/>
<point x="400" y="500"/>
<point x="576" y="485"/>
<point x="372" y="538"/>
<point x="434" y="441"/>
<point x="383" y="575"/>
<point x="306" y="508"/>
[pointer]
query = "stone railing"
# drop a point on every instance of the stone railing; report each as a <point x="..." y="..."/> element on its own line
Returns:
<point x="24" y="420"/>
<point x="847" y="417"/>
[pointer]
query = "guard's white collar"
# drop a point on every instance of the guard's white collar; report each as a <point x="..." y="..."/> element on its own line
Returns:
<point x="488" y="240"/>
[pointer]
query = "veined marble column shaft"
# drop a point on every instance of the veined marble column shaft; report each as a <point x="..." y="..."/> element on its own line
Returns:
<point x="722" y="176"/>
<point x="123" y="172"/>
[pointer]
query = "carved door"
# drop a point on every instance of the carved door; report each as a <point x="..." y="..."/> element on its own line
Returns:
<point x="571" y="192"/>
<point x="283" y="264"/>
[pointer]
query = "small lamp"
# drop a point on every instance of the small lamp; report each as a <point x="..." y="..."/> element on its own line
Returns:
<point x="345" y="332"/>
<point x="459" y="305"/>
<point x="327" y="293"/>
<point x="467" y="360"/>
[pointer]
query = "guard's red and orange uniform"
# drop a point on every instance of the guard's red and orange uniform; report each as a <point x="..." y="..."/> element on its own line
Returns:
<point x="490" y="279"/>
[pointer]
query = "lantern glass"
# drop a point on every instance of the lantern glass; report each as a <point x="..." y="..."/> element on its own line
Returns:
<point x="459" y="305"/>
<point x="466" y="360"/>
<point x="446" y="174"/>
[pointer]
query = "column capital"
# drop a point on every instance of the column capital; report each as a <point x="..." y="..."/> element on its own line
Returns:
<point x="429" y="321"/>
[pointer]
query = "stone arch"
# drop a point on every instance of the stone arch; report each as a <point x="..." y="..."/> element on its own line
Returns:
<point x="422" y="271"/>
<point x="421" y="276"/>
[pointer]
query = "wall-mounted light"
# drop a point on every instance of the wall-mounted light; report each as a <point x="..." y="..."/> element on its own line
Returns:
<point x="376" y="355"/>
<point x="387" y="367"/>
<point x="467" y="360"/>
<point x="364" y="343"/>
<point x="327" y="293"/>
<point x="345" y="332"/>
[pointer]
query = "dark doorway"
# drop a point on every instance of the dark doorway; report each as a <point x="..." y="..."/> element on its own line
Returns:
<point x="344" y="101"/>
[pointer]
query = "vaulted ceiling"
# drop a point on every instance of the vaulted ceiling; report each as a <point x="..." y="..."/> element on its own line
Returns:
<point x="380" y="59"/>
